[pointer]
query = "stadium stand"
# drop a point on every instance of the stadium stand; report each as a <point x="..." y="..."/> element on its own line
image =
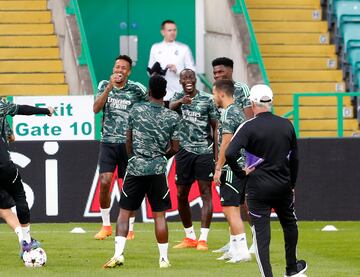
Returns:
<point x="30" y="61"/>
<point x="344" y="19"/>
<point x="295" y="44"/>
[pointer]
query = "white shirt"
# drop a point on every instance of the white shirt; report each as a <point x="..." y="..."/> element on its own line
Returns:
<point x="175" y="53"/>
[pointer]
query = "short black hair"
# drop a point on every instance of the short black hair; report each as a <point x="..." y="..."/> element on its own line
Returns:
<point x="166" y="22"/>
<point x="226" y="86"/>
<point x="223" y="61"/>
<point x="125" y="58"/>
<point x="157" y="86"/>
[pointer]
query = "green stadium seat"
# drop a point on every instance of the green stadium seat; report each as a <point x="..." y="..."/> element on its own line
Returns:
<point x="351" y="35"/>
<point x="347" y="11"/>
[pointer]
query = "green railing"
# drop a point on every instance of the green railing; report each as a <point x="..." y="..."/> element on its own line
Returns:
<point x="205" y="81"/>
<point x="85" y="57"/>
<point x="296" y="111"/>
<point x="254" y="56"/>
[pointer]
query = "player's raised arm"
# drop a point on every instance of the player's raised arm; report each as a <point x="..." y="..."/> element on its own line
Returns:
<point x="30" y="110"/>
<point x="104" y="89"/>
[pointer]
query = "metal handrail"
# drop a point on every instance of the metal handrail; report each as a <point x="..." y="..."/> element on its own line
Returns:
<point x="254" y="56"/>
<point x="296" y="104"/>
<point x="85" y="57"/>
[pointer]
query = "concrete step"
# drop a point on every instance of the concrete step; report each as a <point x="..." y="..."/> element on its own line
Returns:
<point x="32" y="78"/>
<point x="304" y="75"/>
<point x="292" y="87"/>
<point x="313" y="112"/>
<point x="325" y="134"/>
<point x="25" y="17"/>
<point x="28" y="41"/>
<point x="290" y="27"/>
<point x="38" y="89"/>
<point x="287" y="100"/>
<point x="327" y="125"/>
<point x="283" y="4"/>
<point x="301" y="63"/>
<point x="29" y="53"/>
<point x="31" y="66"/>
<point x="260" y="14"/>
<point x="27" y="29"/>
<point x="297" y="50"/>
<point x="293" y="38"/>
<point x="23" y="5"/>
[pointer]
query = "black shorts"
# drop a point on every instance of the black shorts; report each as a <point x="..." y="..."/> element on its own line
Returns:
<point x="112" y="155"/>
<point x="6" y="201"/>
<point x="191" y="167"/>
<point x="135" y="188"/>
<point x="232" y="189"/>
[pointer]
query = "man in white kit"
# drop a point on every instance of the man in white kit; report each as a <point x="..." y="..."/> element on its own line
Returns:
<point x="173" y="56"/>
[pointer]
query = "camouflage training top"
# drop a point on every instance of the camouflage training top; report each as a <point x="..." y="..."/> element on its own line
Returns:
<point x="195" y="129"/>
<point x="231" y="119"/>
<point x="6" y="108"/>
<point x="241" y="94"/>
<point x="117" y="107"/>
<point x="153" y="126"/>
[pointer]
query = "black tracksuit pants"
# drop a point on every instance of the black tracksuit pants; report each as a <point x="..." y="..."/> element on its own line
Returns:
<point x="260" y="210"/>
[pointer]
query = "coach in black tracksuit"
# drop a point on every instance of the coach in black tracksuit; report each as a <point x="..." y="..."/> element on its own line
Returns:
<point x="271" y="141"/>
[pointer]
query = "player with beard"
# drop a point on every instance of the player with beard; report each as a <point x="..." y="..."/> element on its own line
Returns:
<point x="223" y="70"/>
<point x="195" y="160"/>
<point x="152" y="138"/>
<point x="115" y="98"/>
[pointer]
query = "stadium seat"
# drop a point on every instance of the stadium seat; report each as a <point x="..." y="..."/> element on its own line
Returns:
<point x="339" y="6"/>
<point x="299" y="56"/>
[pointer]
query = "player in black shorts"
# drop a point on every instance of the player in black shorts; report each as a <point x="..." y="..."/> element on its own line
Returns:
<point x="10" y="180"/>
<point x="195" y="161"/>
<point x="152" y="138"/>
<point x="115" y="98"/>
<point x="232" y="189"/>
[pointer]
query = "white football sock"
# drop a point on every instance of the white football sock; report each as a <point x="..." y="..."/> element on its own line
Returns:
<point x="105" y="215"/>
<point x="163" y="251"/>
<point x="240" y="243"/>
<point x="232" y="248"/>
<point x="131" y="224"/>
<point x="204" y="233"/>
<point x="119" y="245"/>
<point x="190" y="232"/>
<point x="26" y="233"/>
<point x="19" y="233"/>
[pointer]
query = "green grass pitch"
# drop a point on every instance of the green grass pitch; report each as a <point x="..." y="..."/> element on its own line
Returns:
<point x="330" y="254"/>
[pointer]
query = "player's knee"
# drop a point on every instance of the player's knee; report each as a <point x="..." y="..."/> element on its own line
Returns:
<point x="105" y="182"/>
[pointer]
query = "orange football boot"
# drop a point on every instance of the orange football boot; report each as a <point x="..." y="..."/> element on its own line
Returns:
<point x="105" y="232"/>
<point x="187" y="243"/>
<point x="202" y="245"/>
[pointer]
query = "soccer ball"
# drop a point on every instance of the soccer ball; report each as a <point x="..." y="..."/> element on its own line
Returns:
<point x="35" y="257"/>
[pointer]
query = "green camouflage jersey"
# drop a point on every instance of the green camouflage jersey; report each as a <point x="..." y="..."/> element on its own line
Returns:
<point x="117" y="107"/>
<point x="6" y="108"/>
<point x="195" y="129"/>
<point x="241" y="94"/>
<point x="231" y="118"/>
<point x="153" y="126"/>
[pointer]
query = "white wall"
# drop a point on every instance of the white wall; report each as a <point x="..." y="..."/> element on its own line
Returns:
<point x="222" y="38"/>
